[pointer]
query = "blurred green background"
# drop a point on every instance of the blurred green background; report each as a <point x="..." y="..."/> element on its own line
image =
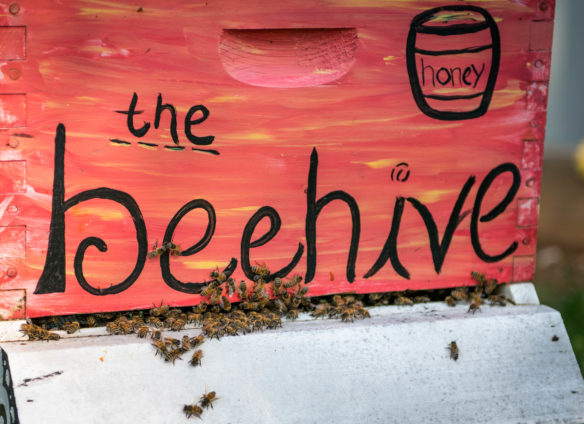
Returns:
<point x="559" y="276"/>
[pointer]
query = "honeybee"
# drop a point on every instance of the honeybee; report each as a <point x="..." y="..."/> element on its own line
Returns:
<point x="260" y="269"/>
<point x="173" y="355"/>
<point x="421" y="299"/>
<point x="402" y="300"/>
<point x="243" y="290"/>
<point x="143" y="331"/>
<point x="196" y="358"/>
<point x="225" y="304"/>
<point x="125" y="327"/>
<point x="230" y="330"/>
<point x="198" y="340"/>
<point x="250" y="306"/>
<point x="218" y="275"/>
<point x="230" y="286"/>
<point x="186" y="344"/>
<point x="293" y="282"/>
<point x="491" y="286"/>
<point x="91" y="321"/>
<point x="348" y="314"/>
<point x="303" y="291"/>
<point x="153" y="253"/>
<point x="453" y="347"/>
<point x="71" y="327"/>
<point x="459" y="294"/>
<point x="160" y="310"/>
<point x="207" y="399"/>
<point x="174" y="249"/>
<point x="209" y="289"/>
<point x="194" y="317"/>
<point x="496" y="299"/>
<point x="178" y="324"/>
<point x="479" y="277"/>
<point x="215" y="298"/>
<point x="32" y="331"/>
<point x="200" y="308"/>
<point x="157" y="334"/>
<point x="113" y="327"/>
<point x="171" y="341"/>
<point x="320" y="310"/>
<point x="160" y="347"/>
<point x="277" y="285"/>
<point x="375" y="297"/>
<point x="191" y="410"/>
<point x="292" y="314"/>
<point x="364" y="313"/>
<point x="474" y="306"/>
<point x="450" y="301"/>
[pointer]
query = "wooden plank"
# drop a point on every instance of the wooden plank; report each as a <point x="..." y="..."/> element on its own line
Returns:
<point x="165" y="104"/>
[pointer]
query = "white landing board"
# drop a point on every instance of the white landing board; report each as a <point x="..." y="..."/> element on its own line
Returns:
<point x="392" y="368"/>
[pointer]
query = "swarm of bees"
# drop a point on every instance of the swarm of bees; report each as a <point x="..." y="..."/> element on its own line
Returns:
<point x="206" y="401"/>
<point x="348" y="308"/>
<point x="484" y="289"/>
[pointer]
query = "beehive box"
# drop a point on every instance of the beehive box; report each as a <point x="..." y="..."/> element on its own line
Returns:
<point x="365" y="145"/>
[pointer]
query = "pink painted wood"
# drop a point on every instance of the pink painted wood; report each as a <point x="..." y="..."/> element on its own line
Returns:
<point x="281" y="81"/>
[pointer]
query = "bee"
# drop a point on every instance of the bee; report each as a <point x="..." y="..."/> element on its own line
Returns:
<point x="71" y="327"/>
<point x="555" y="338"/>
<point x="171" y="341"/>
<point x="157" y="334"/>
<point x="279" y="307"/>
<point x="260" y="269"/>
<point x="125" y="327"/>
<point x="194" y="317"/>
<point x="186" y="344"/>
<point x="478" y="277"/>
<point x="32" y="331"/>
<point x="402" y="300"/>
<point x="218" y="275"/>
<point x="178" y="324"/>
<point x="91" y="322"/>
<point x="496" y="299"/>
<point x="277" y="286"/>
<point x="191" y="410"/>
<point x="459" y="294"/>
<point x="197" y="341"/>
<point x="292" y="314"/>
<point x="230" y="330"/>
<point x="363" y="313"/>
<point x="375" y="297"/>
<point x="196" y="358"/>
<point x="450" y="301"/>
<point x="153" y="253"/>
<point x="250" y="306"/>
<point x="216" y="297"/>
<point x="160" y="347"/>
<point x="173" y="355"/>
<point x="303" y="291"/>
<point x="174" y="249"/>
<point x="490" y="286"/>
<point x="421" y="299"/>
<point x="320" y="310"/>
<point x="207" y="399"/>
<point x="159" y="311"/>
<point x="348" y="314"/>
<point x="143" y="331"/>
<point x="209" y="289"/>
<point x="453" y="347"/>
<point x="296" y="300"/>
<point x="113" y="327"/>
<point x="293" y="282"/>
<point x="225" y="304"/>
<point x="161" y="250"/>
<point x="155" y="321"/>
<point x="243" y="290"/>
<point x="137" y="322"/>
<point x="474" y="306"/>
<point x="230" y="286"/>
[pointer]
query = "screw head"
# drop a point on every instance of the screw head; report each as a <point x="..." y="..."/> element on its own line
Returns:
<point x="14" y="8"/>
<point x="11" y="272"/>
<point x="13" y="73"/>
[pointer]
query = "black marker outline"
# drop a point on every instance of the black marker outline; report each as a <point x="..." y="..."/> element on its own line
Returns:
<point x="457" y="29"/>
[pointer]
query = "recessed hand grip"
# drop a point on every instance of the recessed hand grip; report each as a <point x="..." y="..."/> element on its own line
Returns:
<point x="288" y="58"/>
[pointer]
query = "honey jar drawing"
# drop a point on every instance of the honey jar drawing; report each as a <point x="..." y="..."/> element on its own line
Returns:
<point x="453" y="55"/>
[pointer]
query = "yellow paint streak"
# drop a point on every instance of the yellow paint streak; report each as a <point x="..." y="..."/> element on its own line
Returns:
<point x="103" y="214"/>
<point x="226" y="99"/>
<point x="508" y="96"/>
<point x="388" y="59"/>
<point x="252" y="136"/>
<point x="325" y="71"/>
<point x="119" y="145"/>
<point x="236" y="211"/>
<point x="432" y="196"/>
<point x="207" y="265"/>
<point x="380" y="163"/>
<point x="147" y="147"/>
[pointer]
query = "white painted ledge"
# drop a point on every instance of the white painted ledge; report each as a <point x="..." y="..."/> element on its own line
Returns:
<point x="392" y="368"/>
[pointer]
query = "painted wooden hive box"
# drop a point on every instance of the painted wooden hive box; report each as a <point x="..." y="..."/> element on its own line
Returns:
<point x="365" y="145"/>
